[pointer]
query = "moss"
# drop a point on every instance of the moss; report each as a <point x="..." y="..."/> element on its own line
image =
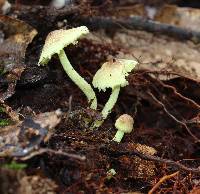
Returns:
<point x="5" y="122"/>
<point x="15" y="166"/>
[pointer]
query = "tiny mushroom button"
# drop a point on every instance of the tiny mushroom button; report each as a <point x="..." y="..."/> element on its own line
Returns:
<point x="124" y="124"/>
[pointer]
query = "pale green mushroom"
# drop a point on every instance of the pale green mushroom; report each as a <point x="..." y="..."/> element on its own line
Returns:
<point x="124" y="124"/>
<point x="112" y="75"/>
<point x="55" y="43"/>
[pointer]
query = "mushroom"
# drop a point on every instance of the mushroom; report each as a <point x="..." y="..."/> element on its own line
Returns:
<point x="59" y="4"/>
<point x="54" y="44"/>
<point x="112" y="75"/>
<point x="5" y="6"/>
<point x="124" y="124"/>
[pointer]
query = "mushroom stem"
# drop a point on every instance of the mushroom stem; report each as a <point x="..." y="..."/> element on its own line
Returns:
<point x="118" y="136"/>
<point x="111" y="102"/>
<point x="108" y="106"/>
<point x="78" y="80"/>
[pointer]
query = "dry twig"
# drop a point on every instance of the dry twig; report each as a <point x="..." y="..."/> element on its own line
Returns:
<point x="180" y="95"/>
<point x="163" y="179"/>
<point x="47" y="150"/>
<point x="173" y="117"/>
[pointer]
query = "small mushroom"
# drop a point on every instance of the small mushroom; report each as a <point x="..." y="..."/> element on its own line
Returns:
<point x="54" y="44"/>
<point x="113" y="75"/>
<point x="124" y="124"/>
<point x="59" y="4"/>
<point x="5" y="6"/>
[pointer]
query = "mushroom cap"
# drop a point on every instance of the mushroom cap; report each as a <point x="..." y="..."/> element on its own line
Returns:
<point x="58" y="39"/>
<point x="125" y="123"/>
<point x="113" y="73"/>
<point x="129" y="64"/>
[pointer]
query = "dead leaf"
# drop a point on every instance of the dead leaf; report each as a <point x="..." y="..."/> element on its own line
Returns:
<point x="24" y="137"/>
<point x="9" y="112"/>
<point x="15" y="35"/>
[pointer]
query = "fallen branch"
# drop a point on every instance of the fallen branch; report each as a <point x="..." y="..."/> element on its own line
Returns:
<point x="140" y="23"/>
<point x="163" y="179"/>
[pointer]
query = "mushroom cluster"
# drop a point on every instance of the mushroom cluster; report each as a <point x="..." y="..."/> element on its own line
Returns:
<point x="112" y="74"/>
